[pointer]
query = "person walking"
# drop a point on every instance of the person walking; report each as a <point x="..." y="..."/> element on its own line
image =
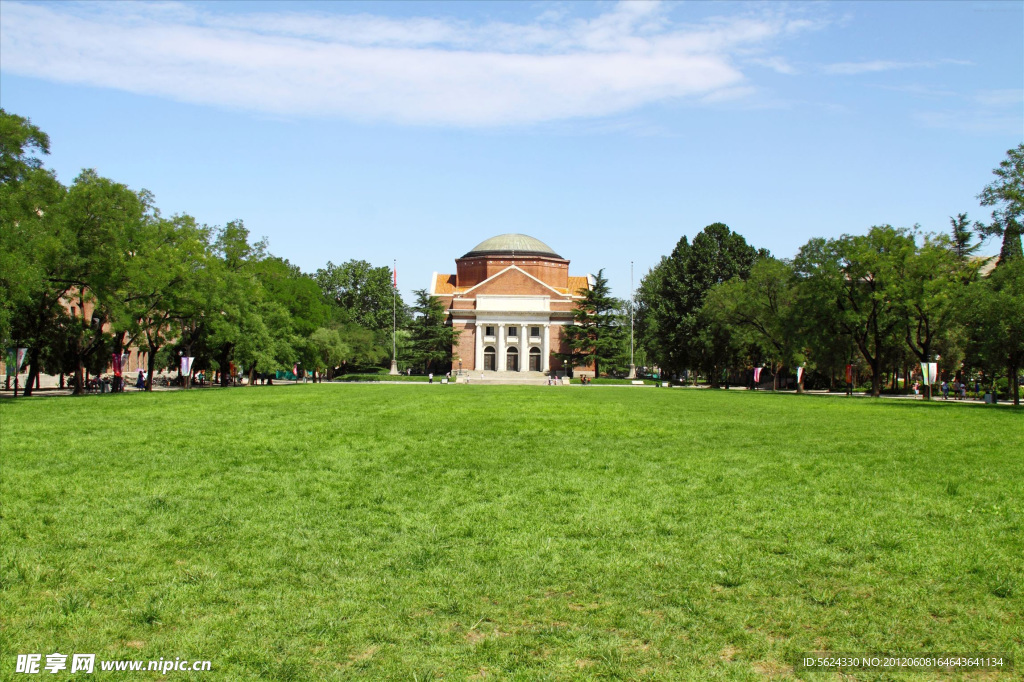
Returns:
<point x="945" y="390"/>
<point x="430" y="378"/>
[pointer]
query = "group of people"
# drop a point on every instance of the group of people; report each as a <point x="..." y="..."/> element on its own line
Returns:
<point x="957" y="387"/>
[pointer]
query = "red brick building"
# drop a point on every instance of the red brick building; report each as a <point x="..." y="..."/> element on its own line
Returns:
<point x="510" y="298"/>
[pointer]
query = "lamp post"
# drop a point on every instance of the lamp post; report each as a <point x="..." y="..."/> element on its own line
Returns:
<point x="394" y="321"/>
<point x="632" y="305"/>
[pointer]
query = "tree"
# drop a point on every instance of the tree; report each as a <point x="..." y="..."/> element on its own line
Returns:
<point x="28" y="232"/>
<point x="239" y="321"/>
<point x="597" y="334"/>
<point x="851" y="284"/>
<point x="165" y="276"/>
<point x="1006" y="193"/>
<point x="327" y="350"/>
<point x="717" y="255"/>
<point x="962" y="237"/>
<point x="763" y="306"/>
<point x="926" y="282"/>
<point x="364" y="292"/>
<point x="994" y="314"/>
<point x="432" y="338"/>
<point x="103" y="219"/>
<point x="645" y="303"/>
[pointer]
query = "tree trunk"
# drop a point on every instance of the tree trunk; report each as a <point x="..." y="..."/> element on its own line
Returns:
<point x="33" y="369"/>
<point x="79" y="377"/>
<point x="224" y="360"/>
<point x="151" y="365"/>
<point x="1015" y="383"/>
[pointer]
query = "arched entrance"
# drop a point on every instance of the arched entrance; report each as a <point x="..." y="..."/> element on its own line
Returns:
<point x="512" y="360"/>
<point x="535" y="359"/>
<point x="490" y="362"/>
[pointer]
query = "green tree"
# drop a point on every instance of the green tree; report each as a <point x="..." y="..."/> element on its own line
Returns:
<point x="962" y="242"/>
<point x="101" y="220"/>
<point x="645" y="303"/>
<point x="238" y="321"/>
<point x="763" y="307"/>
<point x="1006" y="193"/>
<point x="431" y="336"/>
<point x="328" y="350"/>
<point x="852" y="285"/>
<point x="364" y="293"/>
<point x="20" y="142"/>
<point x="716" y="255"/>
<point x="598" y="333"/>
<point x="167" y="284"/>
<point x="927" y="281"/>
<point x="994" y="315"/>
<point x="29" y="234"/>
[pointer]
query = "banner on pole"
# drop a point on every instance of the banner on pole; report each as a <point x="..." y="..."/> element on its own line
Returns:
<point x="15" y="359"/>
<point x="186" y="365"/>
<point x="849" y="374"/>
<point x="799" y="374"/>
<point x="757" y="375"/>
<point x="115" y="363"/>
<point x="930" y="372"/>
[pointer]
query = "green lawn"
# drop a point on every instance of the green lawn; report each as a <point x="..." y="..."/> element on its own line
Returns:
<point x="417" y="532"/>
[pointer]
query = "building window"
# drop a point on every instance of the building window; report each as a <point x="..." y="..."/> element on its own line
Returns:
<point x="513" y="332"/>
<point x="535" y="331"/>
<point x="489" y="331"/>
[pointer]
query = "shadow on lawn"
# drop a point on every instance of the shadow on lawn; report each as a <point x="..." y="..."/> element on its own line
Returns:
<point x="1004" y="407"/>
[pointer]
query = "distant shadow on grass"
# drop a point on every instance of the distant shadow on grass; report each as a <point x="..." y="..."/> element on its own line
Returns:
<point x="1004" y="408"/>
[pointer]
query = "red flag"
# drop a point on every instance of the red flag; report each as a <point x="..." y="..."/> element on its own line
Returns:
<point x="395" y="272"/>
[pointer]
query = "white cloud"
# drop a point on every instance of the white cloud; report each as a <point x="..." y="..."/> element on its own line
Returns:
<point x="984" y="111"/>
<point x="410" y="70"/>
<point x="878" y="65"/>
<point x="777" y="64"/>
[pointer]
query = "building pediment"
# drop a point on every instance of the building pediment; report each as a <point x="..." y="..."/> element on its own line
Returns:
<point x="513" y="281"/>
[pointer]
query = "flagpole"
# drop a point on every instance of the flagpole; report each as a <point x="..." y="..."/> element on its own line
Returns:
<point x="394" y="321"/>
<point x="632" y="304"/>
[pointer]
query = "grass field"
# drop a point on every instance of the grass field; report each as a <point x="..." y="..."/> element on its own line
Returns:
<point x="422" y="532"/>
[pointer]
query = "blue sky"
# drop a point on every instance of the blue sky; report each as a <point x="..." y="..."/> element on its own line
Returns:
<point x="413" y="131"/>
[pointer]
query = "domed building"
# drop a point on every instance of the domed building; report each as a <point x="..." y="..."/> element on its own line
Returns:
<point x="510" y="297"/>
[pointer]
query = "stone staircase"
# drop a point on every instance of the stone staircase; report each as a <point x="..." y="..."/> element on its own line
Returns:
<point x="493" y="378"/>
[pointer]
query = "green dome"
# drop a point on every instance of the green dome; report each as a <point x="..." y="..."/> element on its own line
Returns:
<point x="509" y="244"/>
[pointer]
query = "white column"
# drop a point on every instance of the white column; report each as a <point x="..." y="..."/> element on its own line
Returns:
<point x="545" y="350"/>
<point x="478" y="360"/>
<point x="501" y="347"/>
<point x="524" y="348"/>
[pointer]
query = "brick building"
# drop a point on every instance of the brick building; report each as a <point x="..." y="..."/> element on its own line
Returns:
<point x="510" y="298"/>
